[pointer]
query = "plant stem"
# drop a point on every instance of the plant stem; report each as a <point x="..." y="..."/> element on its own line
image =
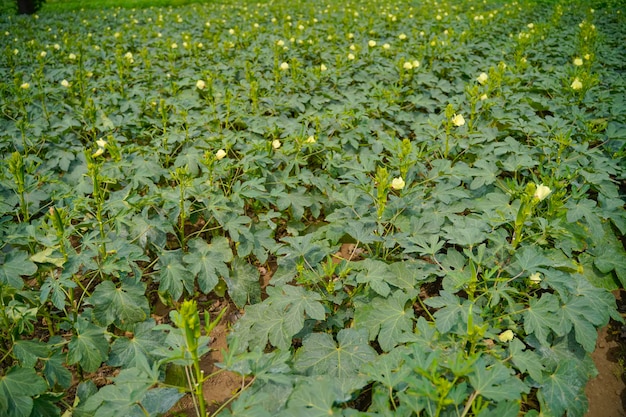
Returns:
<point x="233" y="397"/>
<point x="469" y="403"/>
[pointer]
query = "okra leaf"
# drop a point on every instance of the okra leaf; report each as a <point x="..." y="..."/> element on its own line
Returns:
<point x="208" y="261"/>
<point x="122" y="304"/>
<point x="17" y="387"/>
<point x="88" y="347"/>
<point x="15" y="265"/>
<point x="321" y="355"/>
<point x="386" y="319"/>
<point x="243" y="283"/>
<point x="496" y="382"/>
<point x="174" y="276"/>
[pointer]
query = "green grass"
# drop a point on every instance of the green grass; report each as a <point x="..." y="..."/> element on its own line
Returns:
<point x="52" y="6"/>
<point x="67" y="5"/>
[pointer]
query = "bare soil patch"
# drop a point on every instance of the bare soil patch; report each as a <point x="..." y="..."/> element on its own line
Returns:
<point x="607" y="392"/>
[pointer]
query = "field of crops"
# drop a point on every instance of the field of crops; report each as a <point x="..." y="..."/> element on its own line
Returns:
<point x="417" y="208"/>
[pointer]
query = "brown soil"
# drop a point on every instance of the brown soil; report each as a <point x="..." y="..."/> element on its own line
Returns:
<point x="607" y="392"/>
<point x="217" y="389"/>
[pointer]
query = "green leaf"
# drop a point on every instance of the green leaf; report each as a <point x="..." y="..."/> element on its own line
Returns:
<point x="457" y="273"/>
<point x="208" y="261"/>
<point x="389" y="368"/>
<point x="243" y="283"/>
<point x="496" y="382"/>
<point x="611" y="256"/>
<point x="174" y="275"/>
<point x="408" y="274"/>
<point x="529" y="258"/>
<point x="386" y="318"/>
<point x="55" y="288"/>
<point x="452" y="311"/>
<point x="297" y="200"/>
<point x="130" y="394"/>
<point x="118" y="399"/>
<point x="313" y="397"/>
<point x="158" y="401"/>
<point x="587" y="312"/>
<point x="262" y="323"/>
<point x="585" y="208"/>
<point x="540" y="318"/>
<point x="88" y="347"/>
<point x="429" y="244"/>
<point x="279" y="317"/>
<point x="17" y="387"/>
<point x="56" y="372"/>
<point x="125" y="304"/>
<point x="295" y="301"/>
<point x="260" y="242"/>
<point x="131" y="351"/>
<point x="235" y="224"/>
<point x="600" y="301"/>
<point x="46" y="256"/>
<point x="484" y="172"/>
<point x="29" y="351"/>
<point x="597" y="278"/>
<point x="246" y="406"/>
<point x="362" y="231"/>
<point x="526" y="360"/>
<point x="15" y="265"/>
<point x="307" y="249"/>
<point x="44" y="405"/>
<point x="260" y="400"/>
<point x="502" y="409"/>
<point x="320" y="355"/>
<point x="466" y="231"/>
<point x="375" y="273"/>
<point x="563" y="390"/>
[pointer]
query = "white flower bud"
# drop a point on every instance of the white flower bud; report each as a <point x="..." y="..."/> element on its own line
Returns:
<point x="397" y="183"/>
<point x="506" y="336"/>
<point x="458" y="120"/>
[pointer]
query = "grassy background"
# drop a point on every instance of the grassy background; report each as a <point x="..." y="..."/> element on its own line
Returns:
<point x="51" y="6"/>
<point x="54" y="5"/>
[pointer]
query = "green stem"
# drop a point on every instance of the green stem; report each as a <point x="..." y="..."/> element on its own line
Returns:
<point x="233" y="397"/>
<point x="469" y="403"/>
<point x="442" y="398"/>
<point x="183" y="216"/>
<point x="98" y="195"/>
<point x="447" y="149"/>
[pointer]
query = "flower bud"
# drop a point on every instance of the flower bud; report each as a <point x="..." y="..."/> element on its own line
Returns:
<point x="541" y="192"/>
<point x="458" y="120"/>
<point x="535" y="278"/>
<point x="506" y="336"/>
<point x="397" y="183"/>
